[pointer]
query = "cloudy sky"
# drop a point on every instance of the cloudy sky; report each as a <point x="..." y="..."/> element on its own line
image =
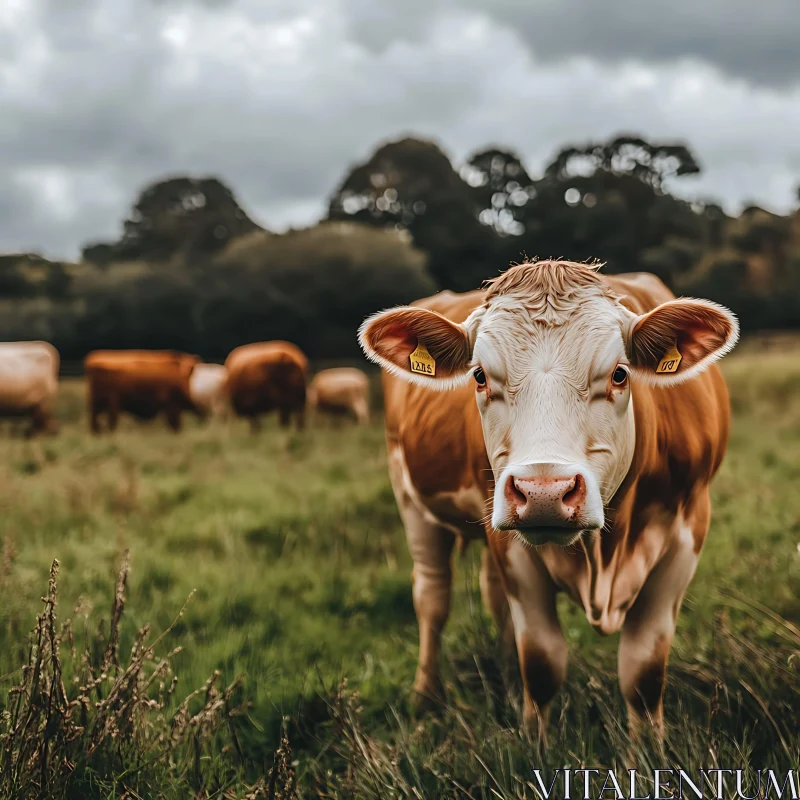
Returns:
<point x="278" y="97"/>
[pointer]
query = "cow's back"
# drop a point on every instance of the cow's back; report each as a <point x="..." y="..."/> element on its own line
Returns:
<point x="40" y="352"/>
<point x="125" y="357"/>
<point x="266" y="352"/>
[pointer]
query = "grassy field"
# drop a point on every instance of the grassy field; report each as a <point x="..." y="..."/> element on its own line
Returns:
<point x="291" y="555"/>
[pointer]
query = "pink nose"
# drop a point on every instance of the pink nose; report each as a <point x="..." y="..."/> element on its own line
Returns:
<point x="546" y="501"/>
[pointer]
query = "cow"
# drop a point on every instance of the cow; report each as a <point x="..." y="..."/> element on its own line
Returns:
<point x="29" y="383"/>
<point x="142" y="383"/>
<point x="587" y="417"/>
<point x="208" y="389"/>
<point x="268" y="376"/>
<point x="340" y="391"/>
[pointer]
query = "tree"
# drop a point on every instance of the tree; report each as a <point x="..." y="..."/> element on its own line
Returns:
<point x="649" y="162"/>
<point x="606" y="200"/>
<point x="759" y="231"/>
<point x="188" y="216"/>
<point x="312" y="286"/>
<point x="502" y="187"/>
<point x="99" y="253"/>
<point x="31" y="275"/>
<point x="411" y="184"/>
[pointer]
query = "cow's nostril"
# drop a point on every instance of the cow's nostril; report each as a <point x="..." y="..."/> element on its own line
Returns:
<point x="514" y="495"/>
<point x="576" y="493"/>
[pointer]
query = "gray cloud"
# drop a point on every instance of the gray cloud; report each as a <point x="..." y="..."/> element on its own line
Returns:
<point x="278" y="99"/>
<point x="757" y="43"/>
<point x="753" y="41"/>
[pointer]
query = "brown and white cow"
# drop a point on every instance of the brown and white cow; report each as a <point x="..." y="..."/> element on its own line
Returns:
<point x="208" y="388"/>
<point x="340" y="391"/>
<point x="590" y="442"/>
<point x="29" y="383"/>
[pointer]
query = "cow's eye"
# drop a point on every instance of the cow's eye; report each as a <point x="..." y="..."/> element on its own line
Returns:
<point x="480" y="377"/>
<point x="620" y="376"/>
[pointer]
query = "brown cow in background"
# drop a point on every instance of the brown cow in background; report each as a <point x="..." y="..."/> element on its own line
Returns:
<point x="268" y="376"/>
<point x="142" y="383"/>
<point x="339" y="392"/>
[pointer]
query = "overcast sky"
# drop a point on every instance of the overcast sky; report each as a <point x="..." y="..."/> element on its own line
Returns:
<point x="279" y="97"/>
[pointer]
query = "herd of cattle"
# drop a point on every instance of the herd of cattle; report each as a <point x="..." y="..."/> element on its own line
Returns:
<point x="583" y="411"/>
<point x="255" y="379"/>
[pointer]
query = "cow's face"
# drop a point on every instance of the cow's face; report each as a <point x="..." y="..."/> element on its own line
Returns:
<point x="552" y="355"/>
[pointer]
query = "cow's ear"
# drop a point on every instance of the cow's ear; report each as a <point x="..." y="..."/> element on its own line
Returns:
<point x="679" y="339"/>
<point x="418" y="345"/>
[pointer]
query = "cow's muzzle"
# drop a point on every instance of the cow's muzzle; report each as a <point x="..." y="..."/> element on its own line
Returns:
<point x="547" y="502"/>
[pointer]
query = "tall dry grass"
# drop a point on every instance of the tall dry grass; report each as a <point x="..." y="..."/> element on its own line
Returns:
<point x="83" y="720"/>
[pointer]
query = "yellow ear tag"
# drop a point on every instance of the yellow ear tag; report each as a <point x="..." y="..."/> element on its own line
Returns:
<point x="422" y="362"/>
<point x="671" y="361"/>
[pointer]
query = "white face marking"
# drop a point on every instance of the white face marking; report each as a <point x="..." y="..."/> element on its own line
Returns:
<point x="551" y="411"/>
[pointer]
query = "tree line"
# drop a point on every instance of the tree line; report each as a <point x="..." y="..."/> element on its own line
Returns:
<point x="191" y="270"/>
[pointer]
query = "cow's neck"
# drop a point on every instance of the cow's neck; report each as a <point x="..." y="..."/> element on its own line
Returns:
<point x="606" y="573"/>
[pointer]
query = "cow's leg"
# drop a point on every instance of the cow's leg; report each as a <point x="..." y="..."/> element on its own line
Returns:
<point x="361" y="410"/>
<point x="255" y="423"/>
<point x="431" y="548"/>
<point x="541" y="646"/>
<point x="113" y="412"/>
<point x="174" y="418"/>
<point x="285" y="417"/>
<point x="39" y="421"/>
<point x="300" y="419"/>
<point x="95" y="409"/>
<point x="45" y="421"/>
<point x="494" y="598"/>
<point x="650" y="623"/>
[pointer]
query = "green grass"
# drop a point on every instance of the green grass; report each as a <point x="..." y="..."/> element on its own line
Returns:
<point x="292" y="551"/>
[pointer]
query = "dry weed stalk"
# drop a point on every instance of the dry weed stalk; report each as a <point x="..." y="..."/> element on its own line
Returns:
<point x="114" y="726"/>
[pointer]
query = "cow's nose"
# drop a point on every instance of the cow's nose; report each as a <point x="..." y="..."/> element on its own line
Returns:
<point x="546" y="500"/>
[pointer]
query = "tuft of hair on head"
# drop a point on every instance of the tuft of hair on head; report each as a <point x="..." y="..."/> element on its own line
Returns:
<point x="552" y="276"/>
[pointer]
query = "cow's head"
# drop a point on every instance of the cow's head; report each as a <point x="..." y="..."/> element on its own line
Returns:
<point x="552" y="354"/>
